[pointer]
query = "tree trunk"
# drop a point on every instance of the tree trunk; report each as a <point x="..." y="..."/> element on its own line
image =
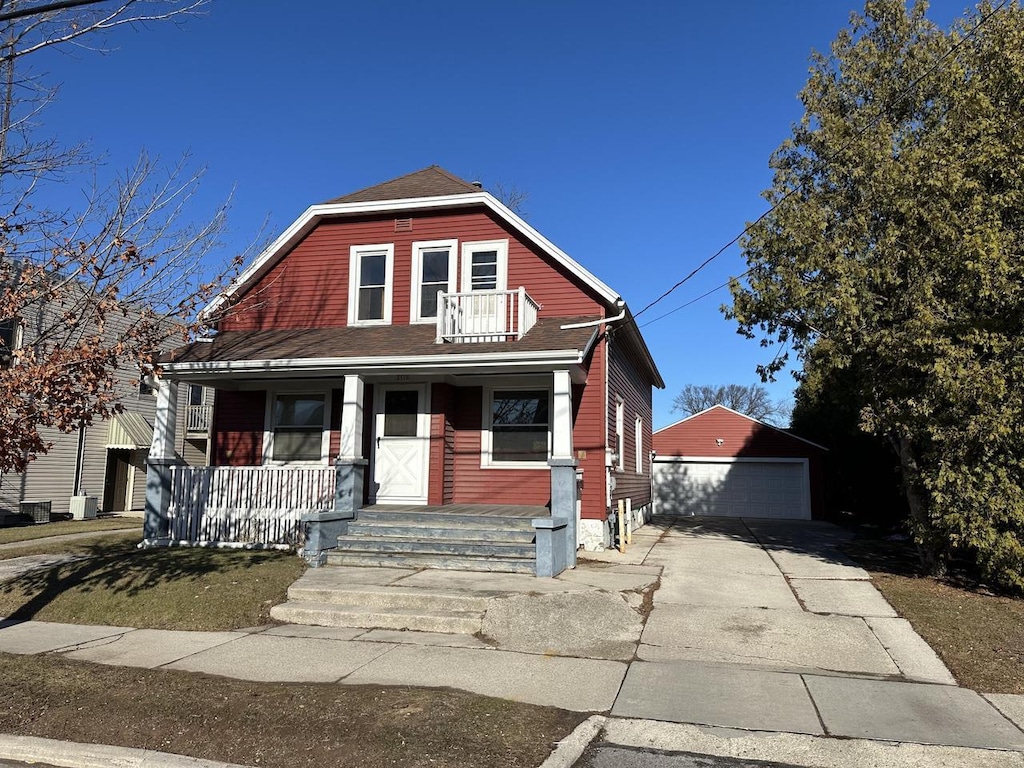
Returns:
<point x="931" y="549"/>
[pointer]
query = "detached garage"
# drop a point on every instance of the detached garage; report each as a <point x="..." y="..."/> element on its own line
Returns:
<point x="720" y="462"/>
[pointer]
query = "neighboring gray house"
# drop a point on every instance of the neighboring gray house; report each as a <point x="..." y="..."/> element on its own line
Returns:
<point x="106" y="460"/>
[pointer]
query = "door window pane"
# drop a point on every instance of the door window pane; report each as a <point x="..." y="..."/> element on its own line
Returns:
<point x="401" y="409"/>
<point x="484" y="271"/>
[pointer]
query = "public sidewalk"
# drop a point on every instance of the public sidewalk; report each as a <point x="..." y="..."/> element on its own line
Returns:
<point x="759" y="634"/>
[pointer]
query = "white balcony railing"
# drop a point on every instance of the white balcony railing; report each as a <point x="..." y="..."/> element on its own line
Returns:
<point x="198" y="418"/>
<point x="476" y="316"/>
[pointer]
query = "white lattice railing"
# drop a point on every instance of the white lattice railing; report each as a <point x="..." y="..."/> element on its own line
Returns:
<point x="475" y="316"/>
<point x="258" y="505"/>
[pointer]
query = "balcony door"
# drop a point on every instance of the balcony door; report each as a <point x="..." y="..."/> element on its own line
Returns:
<point x="401" y="444"/>
<point x="485" y="307"/>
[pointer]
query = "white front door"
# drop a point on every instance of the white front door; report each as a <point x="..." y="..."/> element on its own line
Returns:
<point x="401" y="444"/>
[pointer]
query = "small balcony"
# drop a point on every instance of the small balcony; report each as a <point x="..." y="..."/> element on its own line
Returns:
<point x="198" y="419"/>
<point x="481" y="316"/>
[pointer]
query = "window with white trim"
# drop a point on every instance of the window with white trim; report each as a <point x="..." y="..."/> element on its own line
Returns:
<point x="298" y="427"/>
<point x="638" y="426"/>
<point x="10" y="340"/>
<point x="485" y="265"/>
<point x="433" y="271"/>
<point x="620" y="443"/>
<point x="517" y="427"/>
<point x="371" y="272"/>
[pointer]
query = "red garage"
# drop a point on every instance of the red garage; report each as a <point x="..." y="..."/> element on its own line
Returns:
<point x="720" y="462"/>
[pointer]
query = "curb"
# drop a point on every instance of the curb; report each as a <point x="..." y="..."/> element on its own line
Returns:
<point x="569" y="749"/>
<point x="69" y="754"/>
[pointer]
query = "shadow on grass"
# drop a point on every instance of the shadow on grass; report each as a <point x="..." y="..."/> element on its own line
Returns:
<point x="123" y="569"/>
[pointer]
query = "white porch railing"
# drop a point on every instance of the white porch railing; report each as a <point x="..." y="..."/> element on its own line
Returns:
<point x="198" y="418"/>
<point x="475" y="316"/>
<point x="258" y="505"/>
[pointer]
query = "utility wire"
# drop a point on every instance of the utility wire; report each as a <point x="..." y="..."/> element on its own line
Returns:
<point x="823" y="162"/>
<point x="59" y="5"/>
<point x="694" y="301"/>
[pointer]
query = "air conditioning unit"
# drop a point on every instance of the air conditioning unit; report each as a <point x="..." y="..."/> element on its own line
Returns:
<point x="83" y="507"/>
<point x="39" y="511"/>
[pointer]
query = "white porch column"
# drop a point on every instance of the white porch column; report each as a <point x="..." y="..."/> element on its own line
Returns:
<point x="352" y="419"/>
<point x="162" y="456"/>
<point x="563" y="465"/>
<point x="561" y="416"/>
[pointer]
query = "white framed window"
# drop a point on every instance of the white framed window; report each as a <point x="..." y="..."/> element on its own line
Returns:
<point x="10" y="340"/>
<point x="516" y="427"/>
<point x="485" y="265"/>
<point x="433" y="271"/>
<point x="371" y="276"/>
<point x="297" y="428"/>
<point x="620" y="447"/>
<point x="638" y="426"/>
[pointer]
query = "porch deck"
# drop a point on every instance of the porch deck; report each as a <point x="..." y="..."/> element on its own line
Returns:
<point x="476" y="510"/>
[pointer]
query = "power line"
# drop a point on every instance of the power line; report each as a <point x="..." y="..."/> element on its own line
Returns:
<point x="821" y="163"/>
<point x="58" y="5"/>
<point x="694" y="301"/>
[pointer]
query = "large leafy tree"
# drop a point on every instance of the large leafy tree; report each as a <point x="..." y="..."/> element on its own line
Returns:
<point x="98" y="271"/>
<point x="893" y="250"/>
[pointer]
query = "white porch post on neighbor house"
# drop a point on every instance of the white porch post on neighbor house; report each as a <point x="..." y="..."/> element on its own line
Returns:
<point x="161" y="458"/>
<point x="322" y="529"/>
<point x="563" y="462"/>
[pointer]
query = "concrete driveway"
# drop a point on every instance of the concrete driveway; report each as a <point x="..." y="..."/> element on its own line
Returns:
<point x="767" y="626"/>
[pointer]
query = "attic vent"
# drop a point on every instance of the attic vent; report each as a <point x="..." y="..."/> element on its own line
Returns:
<point x="403" y="225"/>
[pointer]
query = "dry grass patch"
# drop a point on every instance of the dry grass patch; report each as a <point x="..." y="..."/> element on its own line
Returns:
<point x="187" y="588"/>
<point x="979" y="635"/>
<point x="84" y="546"/>
<point x="26" y="532"/>
<point x="283" y="725"/>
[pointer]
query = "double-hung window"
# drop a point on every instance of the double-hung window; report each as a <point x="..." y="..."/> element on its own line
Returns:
<point x="620" y="435"/>
<point x="519" y="427"/>
<point x="371" y="271"/>
<point x="10" y="340"/>
<point x="638" y="428"/>
<point x="298" y="427"/>
<point x="433" y="271"/>
<point x="485" y="266"/>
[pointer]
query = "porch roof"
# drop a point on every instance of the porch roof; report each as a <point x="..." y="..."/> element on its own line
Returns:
<point x="545" y="339"/>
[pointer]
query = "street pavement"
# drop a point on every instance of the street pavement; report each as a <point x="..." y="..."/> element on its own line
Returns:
<point x="763" y="643"/>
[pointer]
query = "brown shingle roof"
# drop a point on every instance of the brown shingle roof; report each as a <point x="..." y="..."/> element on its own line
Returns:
<point x="434" y="181"/>
<point x="374" y="341"/>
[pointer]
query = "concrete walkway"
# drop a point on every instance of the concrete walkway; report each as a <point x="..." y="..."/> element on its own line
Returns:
<point x="755" y="628"/>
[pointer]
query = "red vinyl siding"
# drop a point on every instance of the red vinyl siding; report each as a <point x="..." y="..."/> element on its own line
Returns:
<point x="475" y="485"/>
<point x="588" y="436"/>
<point x="238" y="421"/>
<point x="442" y="445"/>
<point x="741" y="438"/>
<point x="309" y="286"/>
<point x="625" y="380"/>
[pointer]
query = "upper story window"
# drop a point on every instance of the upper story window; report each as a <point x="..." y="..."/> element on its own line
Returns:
<point x="433" y="271"/>
<point x="485" y="265"/>
<point x="10" y="340"/>
<point x="371" y="274"/>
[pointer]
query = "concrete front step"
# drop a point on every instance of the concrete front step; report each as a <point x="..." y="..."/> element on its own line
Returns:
<point x="442" y="520"/>
<point x="447" y="562"/>
<point x="432" y="601"/>
<point x="452" y="548"/>
<point x="432" y="531"/>
<point x="369" y="617"/>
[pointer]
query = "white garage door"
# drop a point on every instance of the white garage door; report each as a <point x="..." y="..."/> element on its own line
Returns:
<point x="732" y="489"/>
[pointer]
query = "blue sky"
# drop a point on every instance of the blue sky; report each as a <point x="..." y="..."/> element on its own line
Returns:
<point x="641" y="131"/>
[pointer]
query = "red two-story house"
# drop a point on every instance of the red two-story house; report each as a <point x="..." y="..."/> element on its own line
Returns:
<point x="405" y="358"/>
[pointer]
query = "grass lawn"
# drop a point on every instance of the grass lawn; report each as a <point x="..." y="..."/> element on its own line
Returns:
<point x="282" y="725"/>
<point x="83" y="546"/>
<point x="26" y="532"/>
<point x="176" y="588"/>
<point x="980" y="636"/>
